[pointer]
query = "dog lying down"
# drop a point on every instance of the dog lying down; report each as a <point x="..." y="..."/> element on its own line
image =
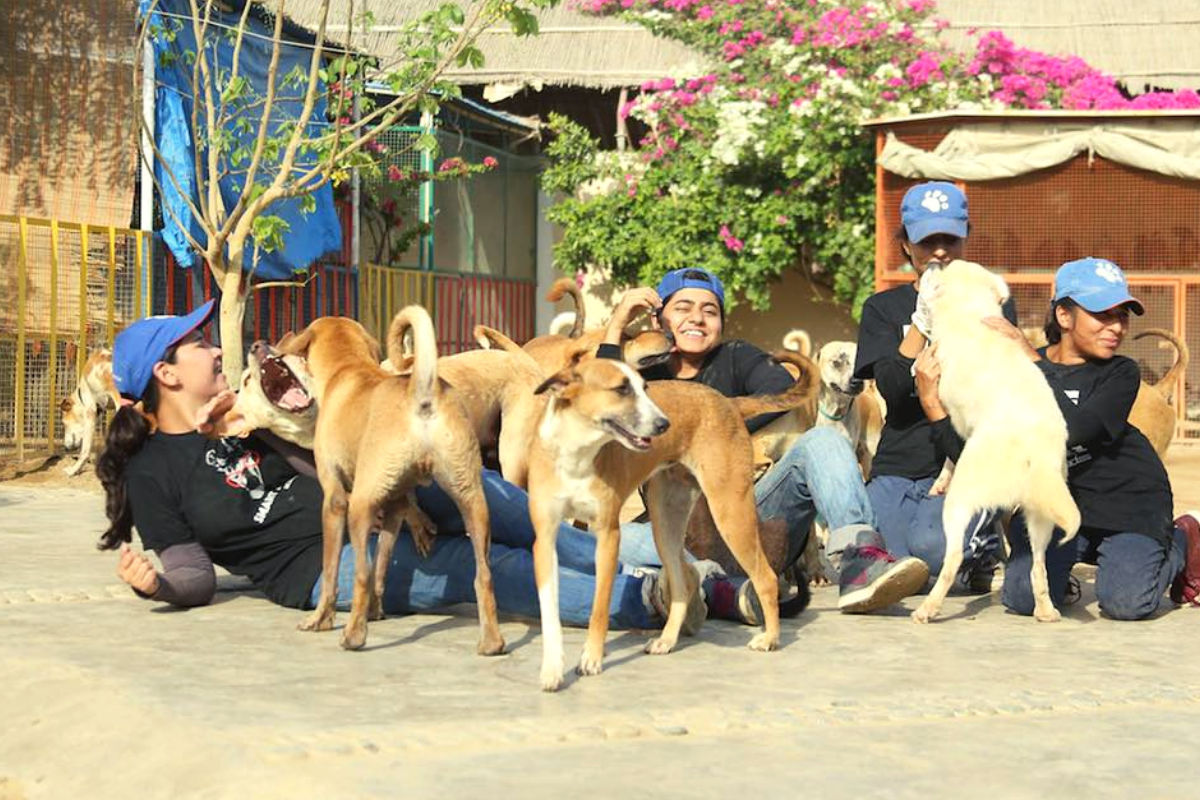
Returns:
<point x="1016" y="439"/>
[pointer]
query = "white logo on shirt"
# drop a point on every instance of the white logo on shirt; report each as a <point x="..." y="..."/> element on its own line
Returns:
<point x="239" y="466"/>
<point x="1077" y="454"/>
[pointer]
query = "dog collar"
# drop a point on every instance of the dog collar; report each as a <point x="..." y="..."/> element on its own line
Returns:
<point x="832" y="417"/>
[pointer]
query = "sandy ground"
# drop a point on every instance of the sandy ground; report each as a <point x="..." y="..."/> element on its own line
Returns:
<point x="103" y="695"/>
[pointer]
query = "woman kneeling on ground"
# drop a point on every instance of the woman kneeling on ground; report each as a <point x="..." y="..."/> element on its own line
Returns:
<point x="253" y="506"/>
<point x="1116" y="478"/>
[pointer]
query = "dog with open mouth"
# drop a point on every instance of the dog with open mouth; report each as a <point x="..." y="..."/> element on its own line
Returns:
<point x="276" y="394"/>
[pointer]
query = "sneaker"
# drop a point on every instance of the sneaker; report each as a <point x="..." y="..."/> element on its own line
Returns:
<point x="872" y="578"/>
<point x="1074" y="591"/>
<point x="1186" y="588"/>
<point x="736" y="599"/>
<point x="654" y="594"/>
<point x="978" y="578"/>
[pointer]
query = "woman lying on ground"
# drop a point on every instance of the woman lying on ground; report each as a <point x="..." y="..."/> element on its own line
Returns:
<point x="253" y="506"/>
<point x="1116" y="478"/>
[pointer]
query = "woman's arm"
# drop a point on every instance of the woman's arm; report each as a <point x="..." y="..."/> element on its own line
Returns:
<point x="187" y="580"/>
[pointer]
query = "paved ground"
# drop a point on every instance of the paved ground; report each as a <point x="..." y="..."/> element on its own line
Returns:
<point x="101" y="695"/>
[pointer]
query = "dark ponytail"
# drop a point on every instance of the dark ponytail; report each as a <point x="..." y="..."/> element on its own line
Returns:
<point x="127" y="434"/>
<point x="1052" y="329"/>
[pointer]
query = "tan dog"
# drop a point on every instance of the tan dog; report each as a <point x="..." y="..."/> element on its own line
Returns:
<point x="1016" y="439"/>
<point x="378" y="436"/>
<point x="276" y="393"/>
<point x="603" y="433"/>
<point x="554" y="352"/>
<point x="1153" y="411"/>
<point x="94" y="393"/>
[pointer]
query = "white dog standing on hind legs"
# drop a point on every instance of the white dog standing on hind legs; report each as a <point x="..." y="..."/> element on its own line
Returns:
<point x="999" y="402"/>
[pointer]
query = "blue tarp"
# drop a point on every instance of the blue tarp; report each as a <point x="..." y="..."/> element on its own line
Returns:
<point x="311" y="235"/>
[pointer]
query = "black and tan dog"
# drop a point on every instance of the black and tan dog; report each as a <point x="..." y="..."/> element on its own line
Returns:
<point x="377" y="436"/>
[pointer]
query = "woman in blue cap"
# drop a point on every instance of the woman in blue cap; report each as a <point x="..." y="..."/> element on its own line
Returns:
<point x="917" y="435"/>
<point x="818" y="475"/>
<point x="253" y="506"/>
<point x="1116" y="478"/>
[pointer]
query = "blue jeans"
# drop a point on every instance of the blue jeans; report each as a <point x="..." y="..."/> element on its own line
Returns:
<point x="819" y="475"/>
<point x="447" y="575"/>
<point x="911" y="522"/>
<point x="1133" y="571"/>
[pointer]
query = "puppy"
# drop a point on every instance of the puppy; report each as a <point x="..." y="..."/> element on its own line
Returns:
<point x="377" y="436"/>
<point x="604" y="432"/>
<point x="554" y="352"/>
<point x="94" y="393"/>
<point x="1016" y="439"/>
<point x="1153" y="412"/>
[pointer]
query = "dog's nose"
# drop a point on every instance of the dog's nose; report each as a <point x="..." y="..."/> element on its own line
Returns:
<point x="259" y="348"/>
<point x="660" y="425"/>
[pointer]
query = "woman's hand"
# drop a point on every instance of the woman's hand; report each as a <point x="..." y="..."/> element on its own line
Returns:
<point x="631" y="302"/>
<point x="212" y="413"/>
<point x="928" y="373"/>
<point x="1008" y="330"/>
<point x="137" y="570"/>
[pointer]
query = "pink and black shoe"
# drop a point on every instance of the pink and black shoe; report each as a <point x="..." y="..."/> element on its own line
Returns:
<point x="1186" y="588"/>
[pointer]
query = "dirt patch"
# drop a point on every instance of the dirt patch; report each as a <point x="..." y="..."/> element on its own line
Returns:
<point x="50" y="474"/>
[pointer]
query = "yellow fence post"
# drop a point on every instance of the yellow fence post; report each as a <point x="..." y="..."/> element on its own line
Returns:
<point x="53" y="370"/>
<point x="81" y="355"/>
<point x="110" y="329"/>
<point x="139" y="264"/>
<point x="22" y="268"/>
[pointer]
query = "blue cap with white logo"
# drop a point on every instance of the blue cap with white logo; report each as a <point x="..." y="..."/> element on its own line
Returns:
<point x="932" y="208"/>
<point x="142" y="345"/>
<point x="1096" y="284"/>
<point x="691" y="278"/>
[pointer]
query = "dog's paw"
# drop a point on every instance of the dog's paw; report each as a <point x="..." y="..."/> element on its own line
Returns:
<point x="74" y="468"/>
<point x="316" y="621"/>
<point x="1047" y="616"/>
<point x="764" y="643"/>
<point x="552" y="679"/>
<point x="491" y="645"/>
<point x="375" y="613"/>
<point x="590" y="663"/>
<point x="659" y="647"/>
<point x="354" y="637"/>
<point x="422" y="529"/>
<point x="924" y="614"/>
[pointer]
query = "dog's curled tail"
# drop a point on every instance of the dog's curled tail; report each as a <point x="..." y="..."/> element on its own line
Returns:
<point x="423" y="383"/>
<point x="1166" y="386"/>
<point x="798" y="341"/>
<point x="803" y="391"/>
<point x="560" y="289"/>
<point x="1053" y="500"/>
<point x="490" y="337"/>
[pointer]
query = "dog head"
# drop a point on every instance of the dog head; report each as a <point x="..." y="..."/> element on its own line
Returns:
<point x="74" y="420"/>
<point x="276" y="393"/>
<point x="608" y="399"/>
<point x="836" y="361"/>
<point x="329" y="344"/>
<point x="964" y="290"/>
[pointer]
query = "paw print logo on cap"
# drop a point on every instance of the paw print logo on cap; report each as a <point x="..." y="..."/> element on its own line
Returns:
<point x="935" y="201"/>
<point x="1108" y="271"/>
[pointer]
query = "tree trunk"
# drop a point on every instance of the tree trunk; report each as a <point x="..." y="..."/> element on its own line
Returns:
<point x="233" y="310"/>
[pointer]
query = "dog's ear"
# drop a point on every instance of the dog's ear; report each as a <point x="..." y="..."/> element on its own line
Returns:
<point x="296" y="345"/>
<point x="285" y="339"/>
<point x="562" y="384"/>
<point x="66" y="405"/>
<point x="579" y="352"/>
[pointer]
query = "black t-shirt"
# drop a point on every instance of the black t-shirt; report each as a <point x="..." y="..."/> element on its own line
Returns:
<point x="1116" y="478"/>
<point x="735" y="368"/>
<point x="909" y="446"/>
<point x="240" y="500"/>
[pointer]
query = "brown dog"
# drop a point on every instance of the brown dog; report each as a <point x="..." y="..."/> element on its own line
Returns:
<point x="554" y="352"/>
<point x="94" y="393"/>
<point x="603" y="433"/>
<point x="378" y="436"/>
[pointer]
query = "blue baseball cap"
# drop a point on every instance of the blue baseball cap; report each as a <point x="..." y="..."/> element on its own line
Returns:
<point x="931" y="208"/>
<point x="142" y="345"/>
<point x="1096" y="284"/>
<point x="691" y="278"/>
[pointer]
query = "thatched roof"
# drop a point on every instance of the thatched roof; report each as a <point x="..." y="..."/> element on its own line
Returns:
<point x="571" y="49"/>
<point x="1139" y="42"/>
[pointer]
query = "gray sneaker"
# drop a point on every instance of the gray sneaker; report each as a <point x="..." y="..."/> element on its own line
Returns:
<point x="871" y="578"/>
<point x="654" y="593"/>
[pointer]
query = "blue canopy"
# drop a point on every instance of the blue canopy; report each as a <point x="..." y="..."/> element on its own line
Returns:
<point x="311" y="235"/>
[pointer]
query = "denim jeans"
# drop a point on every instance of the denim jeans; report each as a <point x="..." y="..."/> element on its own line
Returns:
<point x="911" y="522"/>
<point x="447" y="575"/>
<point x="818" y="476"/>
<point x="1133" y="571"/>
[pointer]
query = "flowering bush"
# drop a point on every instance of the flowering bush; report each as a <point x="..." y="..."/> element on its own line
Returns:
<point x="756" y="163"/>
